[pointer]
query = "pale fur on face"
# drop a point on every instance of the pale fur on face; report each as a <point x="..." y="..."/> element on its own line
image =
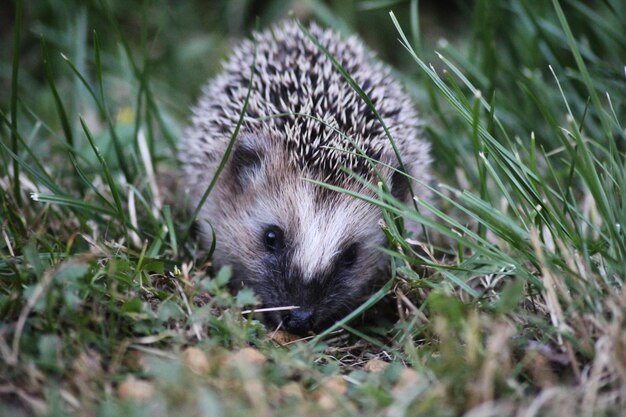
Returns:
<point x="325" y="230"/>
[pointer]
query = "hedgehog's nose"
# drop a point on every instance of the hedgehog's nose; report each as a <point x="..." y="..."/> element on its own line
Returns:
<point x="298" y="322"/>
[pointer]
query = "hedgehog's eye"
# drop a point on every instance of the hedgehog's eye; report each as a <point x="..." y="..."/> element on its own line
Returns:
<point x="273" y="238"/>
<point x="349" y="256"/>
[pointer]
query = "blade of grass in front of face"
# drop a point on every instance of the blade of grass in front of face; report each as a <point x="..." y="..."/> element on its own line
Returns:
<point x="372" y="300"/>
<point x="225" y="157"/>
<point x="366" y="99"/>
<point x="357" y="89"/>
<point x="455" y="231"/>
<point x="389" y="204"/>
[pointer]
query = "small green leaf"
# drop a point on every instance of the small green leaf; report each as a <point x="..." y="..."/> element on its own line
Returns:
<point x="223" y="276"/>
<point x="71" y="272"/>
<point x="132" y="306"/>
<point x="153" y="266"/>
<point x="446" y="305"/>
<point x="48" y="346"/>
<point x="246" y="296"/>
<point x="169" y="310"/>
<point x="511" y="295"/>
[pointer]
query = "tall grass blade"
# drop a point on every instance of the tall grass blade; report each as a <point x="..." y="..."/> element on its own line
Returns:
<point x="108" y="178"/>
<point x="229" y="149"/>
<point x="17" y="30"/>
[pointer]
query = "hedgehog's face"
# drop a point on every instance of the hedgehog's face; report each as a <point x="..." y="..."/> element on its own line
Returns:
<point x="295" y="243"/>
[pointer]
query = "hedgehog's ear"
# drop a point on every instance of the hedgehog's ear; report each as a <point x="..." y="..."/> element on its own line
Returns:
<point x="246" y="160"/>
<point x="399" y="185"/>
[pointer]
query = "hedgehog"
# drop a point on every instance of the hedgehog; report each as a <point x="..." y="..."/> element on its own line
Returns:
<point x="309" y="252"/>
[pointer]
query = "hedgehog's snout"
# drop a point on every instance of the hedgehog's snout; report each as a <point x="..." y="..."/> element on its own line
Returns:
<point x="298" y="321"/>
<point x="320" y="301"/>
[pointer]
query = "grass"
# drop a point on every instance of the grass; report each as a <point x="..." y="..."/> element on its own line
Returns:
<point x="516" y="306"/>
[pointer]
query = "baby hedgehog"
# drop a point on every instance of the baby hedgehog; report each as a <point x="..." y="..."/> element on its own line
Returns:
<point x="293" y="242"/>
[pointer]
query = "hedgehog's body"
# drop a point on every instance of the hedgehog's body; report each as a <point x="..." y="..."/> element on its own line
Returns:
<point x="296" y="243"/>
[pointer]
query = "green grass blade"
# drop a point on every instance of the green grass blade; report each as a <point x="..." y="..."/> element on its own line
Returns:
<point x="108" y="178"/>
<point x="17" y="30"/>
<point x="106" y="115"/>
<point x="225" y="157"/>
<point x="65" y="124"/>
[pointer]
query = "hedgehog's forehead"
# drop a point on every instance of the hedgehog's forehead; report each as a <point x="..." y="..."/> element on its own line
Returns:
<point x="333" y="159"/>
